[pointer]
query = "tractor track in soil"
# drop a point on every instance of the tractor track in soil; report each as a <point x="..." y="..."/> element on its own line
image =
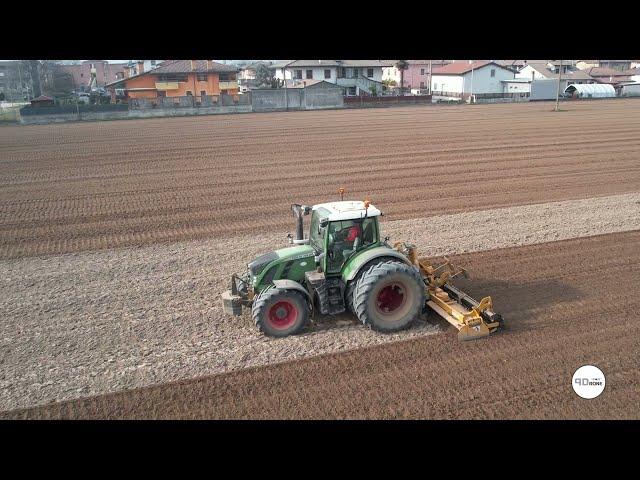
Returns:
<point x="567" y="304"/>
<point x="69" y="188"/>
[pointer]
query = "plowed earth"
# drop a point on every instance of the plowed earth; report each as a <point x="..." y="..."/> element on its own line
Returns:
<point x="567" y="304"/>
<point x="73" y="187"/>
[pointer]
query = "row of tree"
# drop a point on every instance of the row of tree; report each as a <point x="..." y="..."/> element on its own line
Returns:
<point x="28" y="79"/>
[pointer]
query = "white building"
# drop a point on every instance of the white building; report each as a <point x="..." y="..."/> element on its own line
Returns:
<point x="477" y="78"/>
<point x="357" y="77"/>
<point x="136" y="67"/>
<point x="517" y="85"/>
<point x="630" y="89"/>
<point x="391" y="73"/>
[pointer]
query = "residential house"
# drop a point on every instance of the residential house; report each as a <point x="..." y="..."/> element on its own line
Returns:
<point x="135" y="67"/>
<point x="462" y="79"/>
<point x="630" y="89"/>
<point x="515" y="65"/>
<point x="609" y="76"/>
<point x="634" y="74"/>
<point x="280" y="70"/>
<point x="548" y="70"/>
<point x="583" y="64"/>
<point x="544" y="69"/>
<point x="620" y="65"/>
<point x="356" y="77"/>
<point x="105" y="73"/>
<point x="247" y="76"/>
<point x="178" y="78"/>
<point x="417" y="75"/>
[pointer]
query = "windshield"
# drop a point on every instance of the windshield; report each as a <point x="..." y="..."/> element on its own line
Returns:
<point x="347" y="237"/>
<point x="316" y="234"/>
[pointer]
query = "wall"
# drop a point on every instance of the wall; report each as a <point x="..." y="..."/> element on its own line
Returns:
<point x="630" y="90"/>
<point x="387" y="101"/>
<point x="391" y="73"/>
<point x="317" y="98"/>
<point x="150" y="113"/>
<point x="278" y="74"/>
<point x="413" y="76"/>
<point x="517" y="87"/>
<point x="447" y="83"/>
<point x="266" y="100"/>
<point x="318" y="73"/>
<point x="544" y="89"/>
<point x="296" y="99"/>
<point x="530" y="73"/>
<point x="483" y="82"/>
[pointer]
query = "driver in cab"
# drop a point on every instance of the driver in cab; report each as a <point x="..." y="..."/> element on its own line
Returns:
<point x="345" y="240"/>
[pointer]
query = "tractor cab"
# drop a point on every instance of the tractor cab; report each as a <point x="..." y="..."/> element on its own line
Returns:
<point x="340" y="230"/>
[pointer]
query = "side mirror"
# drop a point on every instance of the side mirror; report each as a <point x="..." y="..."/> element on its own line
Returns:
<point x="324" y="222"/>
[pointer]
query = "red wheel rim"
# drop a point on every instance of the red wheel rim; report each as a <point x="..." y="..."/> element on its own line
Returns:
<point x="390" y="298"/>
<point x="283" y="314"/>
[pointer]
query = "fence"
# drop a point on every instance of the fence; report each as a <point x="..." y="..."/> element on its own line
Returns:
<point x="198" y="101"/>
<point x="265" y="100"/>
<point x="71" y="109"/>
<point x="384" y="101"/>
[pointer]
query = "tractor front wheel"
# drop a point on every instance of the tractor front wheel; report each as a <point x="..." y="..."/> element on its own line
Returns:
<point x="389" y="296"/>
<point x="279" y="313"/>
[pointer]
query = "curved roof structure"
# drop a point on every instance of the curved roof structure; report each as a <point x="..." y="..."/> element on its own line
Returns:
<point x="593" y="90"/>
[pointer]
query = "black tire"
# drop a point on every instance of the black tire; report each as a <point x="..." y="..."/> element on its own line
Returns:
<point x="350" y="294"/>
<point x="280" y="313"/>
<point x="389" y="296"/>
<point x="351" y="286"/>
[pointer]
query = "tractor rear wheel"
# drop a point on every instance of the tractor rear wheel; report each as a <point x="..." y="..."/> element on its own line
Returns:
<point x="389" y="296"/>
<point x="351" y="286"/>
<point x="279" y="313"/>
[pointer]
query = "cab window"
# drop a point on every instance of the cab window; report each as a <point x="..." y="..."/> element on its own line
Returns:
<point x="316" y="234"/>
<point x="347" y="237"/>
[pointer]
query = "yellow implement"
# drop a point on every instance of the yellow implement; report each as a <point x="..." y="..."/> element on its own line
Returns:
<point x="471" y="318"/>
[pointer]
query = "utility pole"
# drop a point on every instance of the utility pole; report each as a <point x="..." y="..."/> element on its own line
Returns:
<point x="471" y="93"/>
<point x="558" y="91"/>
<point x="20" y="79"/>
<point x="430" y="67"/>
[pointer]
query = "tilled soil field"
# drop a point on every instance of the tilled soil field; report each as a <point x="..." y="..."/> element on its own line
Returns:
<point x="74" y="187"/>
<point x="567" y="304"/>
<point x="88" y="323"/>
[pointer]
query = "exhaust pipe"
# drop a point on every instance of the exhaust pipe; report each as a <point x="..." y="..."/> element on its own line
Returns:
<point x="298" y="212"/>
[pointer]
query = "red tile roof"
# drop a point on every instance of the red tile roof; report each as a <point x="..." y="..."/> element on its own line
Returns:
<point x="184" y="66"/>
<point x="604" y="72"/>
<point x="181" y="66"/>
<point x="460" y="68"/>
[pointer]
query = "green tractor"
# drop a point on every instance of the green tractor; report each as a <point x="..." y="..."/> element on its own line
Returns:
<point x="343" y="264"/>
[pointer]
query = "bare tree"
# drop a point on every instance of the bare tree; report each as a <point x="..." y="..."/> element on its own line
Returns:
<point x="56" y="80"/>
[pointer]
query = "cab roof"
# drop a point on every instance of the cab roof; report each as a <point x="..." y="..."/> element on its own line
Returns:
<point x="347" y="210"/>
